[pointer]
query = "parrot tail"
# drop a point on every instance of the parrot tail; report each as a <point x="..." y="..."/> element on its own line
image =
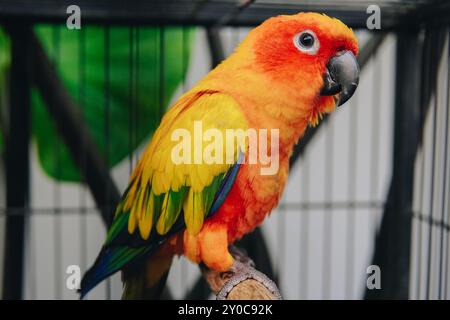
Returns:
<point x="146" y="280"/>
<point x="109" y="261"/>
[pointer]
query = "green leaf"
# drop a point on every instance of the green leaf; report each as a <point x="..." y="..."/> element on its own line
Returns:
<point x="117" y="124"/>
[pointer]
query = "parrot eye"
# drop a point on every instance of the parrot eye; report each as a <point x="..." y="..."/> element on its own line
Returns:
<point x="307" y="42"/>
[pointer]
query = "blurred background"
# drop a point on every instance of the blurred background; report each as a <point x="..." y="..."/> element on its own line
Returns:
<point x="369" y="186"/>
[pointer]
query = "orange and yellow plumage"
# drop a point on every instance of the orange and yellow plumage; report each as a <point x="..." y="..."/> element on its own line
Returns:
<point x="266" y="83"/>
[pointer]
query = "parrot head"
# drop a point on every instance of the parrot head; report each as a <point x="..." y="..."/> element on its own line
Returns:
<point x="309" y="58"/>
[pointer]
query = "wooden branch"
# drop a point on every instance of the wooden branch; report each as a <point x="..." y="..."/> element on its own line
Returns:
<point x="242" y="282"/>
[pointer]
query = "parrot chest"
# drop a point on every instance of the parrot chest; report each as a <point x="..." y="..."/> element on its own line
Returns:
<point x="250" y="200"/>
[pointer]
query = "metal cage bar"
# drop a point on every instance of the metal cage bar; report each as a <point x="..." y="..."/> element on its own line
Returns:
<point x="17" y="162"/>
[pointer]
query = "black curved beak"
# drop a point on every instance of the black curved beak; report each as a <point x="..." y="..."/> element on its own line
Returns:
<point x="341" y="77"/>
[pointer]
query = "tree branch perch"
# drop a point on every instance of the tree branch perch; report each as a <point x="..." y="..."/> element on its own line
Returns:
<point x="242" y="282"/>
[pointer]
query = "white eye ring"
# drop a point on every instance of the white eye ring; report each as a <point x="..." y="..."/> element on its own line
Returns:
<point x="302" y="42"/>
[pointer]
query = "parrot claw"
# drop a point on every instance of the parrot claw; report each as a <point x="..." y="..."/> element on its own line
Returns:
<point x="243" y="269"/>
<point x="241" y="255"/>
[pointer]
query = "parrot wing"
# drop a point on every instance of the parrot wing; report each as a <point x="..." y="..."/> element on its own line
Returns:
<point x="163" y="197"/>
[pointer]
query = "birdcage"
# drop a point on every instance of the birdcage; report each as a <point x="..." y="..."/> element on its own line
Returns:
<point x="368" y="189"/>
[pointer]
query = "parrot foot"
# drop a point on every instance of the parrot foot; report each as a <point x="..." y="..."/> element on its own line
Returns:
<point x="241" y="255"/>
<point x="243" y="272"/>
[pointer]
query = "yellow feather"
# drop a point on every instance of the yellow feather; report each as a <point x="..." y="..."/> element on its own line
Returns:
<point x="134" y="213"/>
<point x="161" y="225"/>
<point x="130" y="198"/>
<point x="131" y="223"/>
<point x="194" y="212"/>
<point x="146" y="222"/>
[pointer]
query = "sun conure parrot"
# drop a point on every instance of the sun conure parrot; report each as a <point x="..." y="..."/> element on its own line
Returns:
<point x="285" y="74"/>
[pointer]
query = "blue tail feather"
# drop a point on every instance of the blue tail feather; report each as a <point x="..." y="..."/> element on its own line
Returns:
<point x="109" y="261"/>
